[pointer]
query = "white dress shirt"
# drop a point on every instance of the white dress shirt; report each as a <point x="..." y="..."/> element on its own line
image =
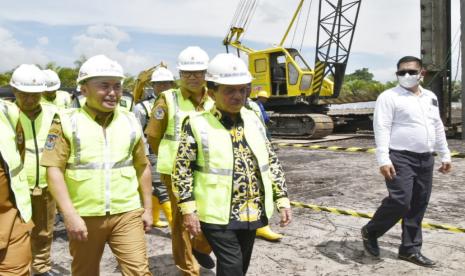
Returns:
<point x="405" y="121"/>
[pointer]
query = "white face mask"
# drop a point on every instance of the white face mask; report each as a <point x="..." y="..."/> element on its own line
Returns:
<point x="408" y="81"/>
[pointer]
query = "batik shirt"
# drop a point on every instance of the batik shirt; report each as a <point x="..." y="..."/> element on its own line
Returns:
<point x="248" y="196"/>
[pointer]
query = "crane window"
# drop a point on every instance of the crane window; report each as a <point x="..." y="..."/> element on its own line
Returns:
<point x="293" y="74"/>
<point x="306" y="82"/>
<point x="260" y="65"/>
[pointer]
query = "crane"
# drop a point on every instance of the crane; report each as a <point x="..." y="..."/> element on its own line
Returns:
<point x="298" y="93"/>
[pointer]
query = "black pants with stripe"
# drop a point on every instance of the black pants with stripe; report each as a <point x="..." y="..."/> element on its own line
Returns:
<point x="409" y="194"/>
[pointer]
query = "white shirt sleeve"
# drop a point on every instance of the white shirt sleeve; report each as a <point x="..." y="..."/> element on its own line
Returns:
<point x="382" y="124"/>
<point x="441" y="146"/>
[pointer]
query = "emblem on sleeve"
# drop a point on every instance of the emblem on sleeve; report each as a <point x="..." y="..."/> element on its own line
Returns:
<point x="159" y="113"/>
<point x="51" y="140"/>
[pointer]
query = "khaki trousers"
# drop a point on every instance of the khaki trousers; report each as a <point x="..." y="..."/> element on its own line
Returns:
<point x="43" y="216"/>
<point x="182" y="243"/>
<point x="125" y="235"/>
<point x="15" y="259"/>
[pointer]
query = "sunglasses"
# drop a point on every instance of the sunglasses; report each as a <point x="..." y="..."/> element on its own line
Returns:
<point x="197" y="74"/>
<point x="410" y="72"/>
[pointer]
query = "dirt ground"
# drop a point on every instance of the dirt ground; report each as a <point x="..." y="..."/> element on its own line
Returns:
<point x="324" y="243"/>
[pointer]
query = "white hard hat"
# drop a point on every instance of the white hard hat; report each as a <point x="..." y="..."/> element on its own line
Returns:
<point x="228" y="69"/>
<point x="52" y="80"/>
<point x="28" y="78"/>
<point x="99" y="66"/>
<point x="162" y="74"/>
<point x="193" y="58"/>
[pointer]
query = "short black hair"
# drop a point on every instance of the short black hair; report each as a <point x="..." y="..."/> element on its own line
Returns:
<point x="212" y="85"/>
<point x="409" y="59"/>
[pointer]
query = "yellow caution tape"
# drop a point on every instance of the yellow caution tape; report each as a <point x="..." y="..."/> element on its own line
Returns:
<point x="364" y="215"/>
<point x="454" y="154"/>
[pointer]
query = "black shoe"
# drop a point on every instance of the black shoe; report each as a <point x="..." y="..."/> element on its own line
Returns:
<point x="203" y="259"/>
<point x="370" y="244"/>
<point x="417" y="258"/>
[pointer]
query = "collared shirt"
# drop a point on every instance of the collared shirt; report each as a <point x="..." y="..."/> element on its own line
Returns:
<point x="58" y="154"/>
<point x="405" y="121"/>
<point x="247" y="199"/>
<point x="158" y="122"/>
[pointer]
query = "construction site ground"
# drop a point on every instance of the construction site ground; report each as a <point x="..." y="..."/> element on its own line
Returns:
<point x="319" y="243"/>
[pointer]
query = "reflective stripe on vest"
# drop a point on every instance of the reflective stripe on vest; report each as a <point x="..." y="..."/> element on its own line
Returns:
<point x="100" y="175"/>
<point x="77" y="164"/>
<point x="213" y="173"/>
<point x="12" y="160"/>
<point x="178" y="109"/>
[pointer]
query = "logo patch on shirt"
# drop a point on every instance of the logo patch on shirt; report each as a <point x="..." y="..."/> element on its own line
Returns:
<point x="123" y="103"/>
<point x="159" y="113"/>
<point x="51" y="140"/>
<point x="434" y="102"/>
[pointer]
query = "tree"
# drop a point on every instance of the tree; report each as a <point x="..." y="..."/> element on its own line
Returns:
<point x="360" y="74"/>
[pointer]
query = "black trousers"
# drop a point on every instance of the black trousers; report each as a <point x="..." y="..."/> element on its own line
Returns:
<point x="232" y="248"/>
<point x="409" y="194"/>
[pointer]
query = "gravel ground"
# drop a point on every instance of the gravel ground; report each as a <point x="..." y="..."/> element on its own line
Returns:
<point x="324" y="243"/>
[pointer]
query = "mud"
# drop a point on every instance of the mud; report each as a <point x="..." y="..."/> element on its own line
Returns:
<point x="324" y="243"/>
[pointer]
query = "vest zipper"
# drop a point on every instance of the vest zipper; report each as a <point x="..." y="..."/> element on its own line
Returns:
<point x="36" y="151"/>
<point x="107" y="172"/>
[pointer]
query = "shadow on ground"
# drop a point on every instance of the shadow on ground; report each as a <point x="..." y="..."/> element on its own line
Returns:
<point x="347" y="252"/>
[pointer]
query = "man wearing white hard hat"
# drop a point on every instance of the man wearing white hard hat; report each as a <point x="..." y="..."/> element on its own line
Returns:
<point x="36" y="119"/>
<point x="52" y="95"/>
<point x="15" y="200"/>
<point x="226" y="175"/>
<point x="163" y="132"/>
<point x="162" y="79"/>
<point x="98" y="173"/>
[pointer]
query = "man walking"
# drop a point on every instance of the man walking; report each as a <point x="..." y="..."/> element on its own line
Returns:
<point x="227" y="177"/>
<point x="161" y="80"/>
<point x="15" y="201"/>
<point x="163" y="133"/>
<point x="408" y="129"/>
<point x="36" y="118"/>
<point x="98" y="173"/>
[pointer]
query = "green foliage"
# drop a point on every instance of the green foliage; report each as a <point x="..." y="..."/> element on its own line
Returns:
<point x="360" y="83"/>
<point x="5" y="78"/>
<point x="360" y="74"/>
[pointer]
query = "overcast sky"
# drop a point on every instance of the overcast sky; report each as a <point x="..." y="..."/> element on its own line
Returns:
<point x="141" y="33"/>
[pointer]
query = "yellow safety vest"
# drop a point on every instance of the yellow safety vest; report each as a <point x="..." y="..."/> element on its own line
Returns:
<point x="100" y="174"/>
<point x="213" y="176"/>
<point x="62" y="100"/>
<point x="178" y="109"/>
<point x="35" y="135"/>
<point x="12" y="159"/>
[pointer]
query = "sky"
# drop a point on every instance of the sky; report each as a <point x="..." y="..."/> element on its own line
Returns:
<point x="141" y="33"/>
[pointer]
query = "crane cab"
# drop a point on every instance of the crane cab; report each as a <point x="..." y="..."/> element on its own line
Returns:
<point x="283" y="73"/>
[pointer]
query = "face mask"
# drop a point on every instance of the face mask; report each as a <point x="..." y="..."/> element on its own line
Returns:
<point x="408" y="81"/>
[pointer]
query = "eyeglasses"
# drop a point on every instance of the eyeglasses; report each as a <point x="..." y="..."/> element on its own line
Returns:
<point x="410" y="72"/>
<point x="197" y="74"/>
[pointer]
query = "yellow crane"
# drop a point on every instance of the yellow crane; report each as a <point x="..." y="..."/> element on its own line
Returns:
<point x="143" y="79"/>
<point x="295" y="89"/>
